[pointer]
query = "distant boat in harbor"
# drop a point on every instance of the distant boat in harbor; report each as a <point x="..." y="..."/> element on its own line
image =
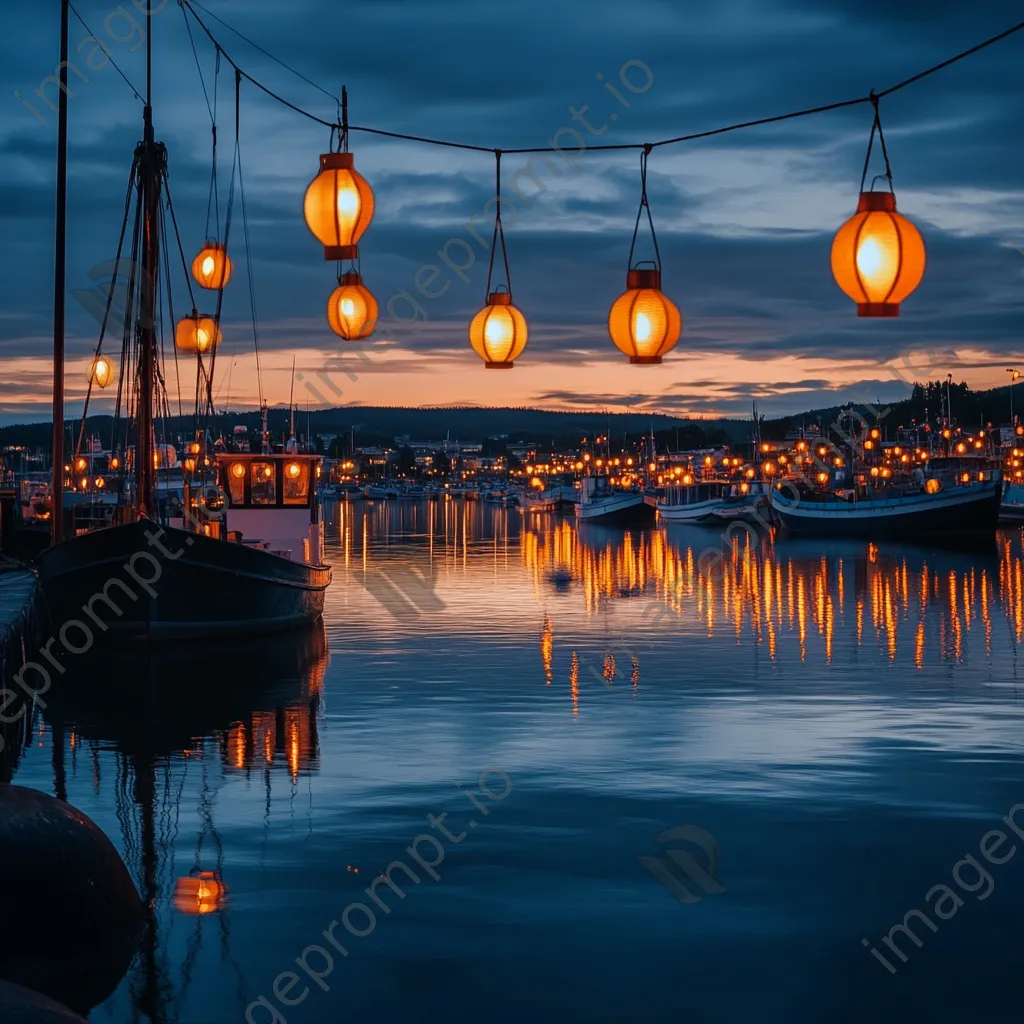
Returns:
<point x="945" y="504"/>
<point x="601" y="504"/>
<point x="1011" y="508"/>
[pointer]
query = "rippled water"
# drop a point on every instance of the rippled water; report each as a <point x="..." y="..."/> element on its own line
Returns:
<point x="844" y="723"/>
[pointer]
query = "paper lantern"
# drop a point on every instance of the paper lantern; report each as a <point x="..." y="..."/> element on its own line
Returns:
<point x="338" y="206"/>
<point x="352" y="309"/>
<point x="878" y="256"/>
<point x="643" y="323"/>
<point x="498" y="332"/>
<point x="212" y="267"/>
<point x="196" y="334"/>
<point x="102" y="372"/>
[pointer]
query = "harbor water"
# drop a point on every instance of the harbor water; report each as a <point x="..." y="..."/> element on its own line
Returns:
<point x="507" y="712"/>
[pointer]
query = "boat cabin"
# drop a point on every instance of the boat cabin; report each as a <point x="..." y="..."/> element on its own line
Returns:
<point x="273" y="503"/>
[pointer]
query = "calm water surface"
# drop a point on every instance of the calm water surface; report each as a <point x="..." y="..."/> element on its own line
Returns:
<point x="845" y="723"/>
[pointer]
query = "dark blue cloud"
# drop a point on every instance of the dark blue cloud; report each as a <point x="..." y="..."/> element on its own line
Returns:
<point x="749" y="283"/>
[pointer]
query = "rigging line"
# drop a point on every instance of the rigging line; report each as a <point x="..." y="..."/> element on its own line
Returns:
<point x="266" y="53"/>
<point x="170" y="305"/>
<point x="621" y="146"/>
<point x="106" y="53"/>
<point x="177" y="237"/>
<point x="953" y="60"/>
<point x="195" y="53"/>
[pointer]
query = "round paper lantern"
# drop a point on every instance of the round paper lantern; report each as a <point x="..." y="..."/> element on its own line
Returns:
<point x="102" y="372"/>
<point x="498" y="332"/>
<point x="196" y="334"/>
<point x="338" y="206"/>
<point x="878" y="256"/>
<point x="642" y="322"/>
<point x="352" y="309"/>
<point x="212" y="267"/>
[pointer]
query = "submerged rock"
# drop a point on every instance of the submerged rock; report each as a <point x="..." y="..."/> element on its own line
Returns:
<point x="23" y="1006"/>
<point x="72" y="917"/>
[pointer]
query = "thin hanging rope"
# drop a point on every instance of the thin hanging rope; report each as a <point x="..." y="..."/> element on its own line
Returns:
<point x="499" y="229"/>
<point x="876" y="126"/>
<point x="190" y="7"/>
<point x="106" y="53"/>
<point x="644" y="205"/>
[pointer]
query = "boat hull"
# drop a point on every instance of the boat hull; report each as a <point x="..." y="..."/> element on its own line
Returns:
<point x="971" y="510"/>
<point x="121" y="581"/>
<point x="617" y="510"/>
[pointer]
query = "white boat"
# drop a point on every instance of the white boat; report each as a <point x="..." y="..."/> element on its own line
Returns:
<point x="699" y="503"/>
<point x="602" y="505"/>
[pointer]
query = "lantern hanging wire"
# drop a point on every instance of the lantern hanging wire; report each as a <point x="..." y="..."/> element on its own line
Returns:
<point x="499" y="230"/>
<point x="644" y="205"/>
<point x="876" y="126"/>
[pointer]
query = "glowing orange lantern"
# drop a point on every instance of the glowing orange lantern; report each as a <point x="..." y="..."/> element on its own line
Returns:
<point x="878" y="256"/>
<point x="196" y="334"/>
<point x="212" y="267"/>
<point x="643" y="323"/>
<point x="338" y="206"/>
<point x="352" y="309"/>
<point x="102" y="372"/>
<point x="498" y="332"/>
<point x="202" y="893"/>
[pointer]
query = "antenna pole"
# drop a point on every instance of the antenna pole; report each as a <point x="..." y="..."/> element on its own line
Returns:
<point x="59" y="287"/>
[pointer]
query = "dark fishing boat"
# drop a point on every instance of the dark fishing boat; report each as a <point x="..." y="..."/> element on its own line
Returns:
<point x="243" y="551"/>
<point x="949" y="503"/>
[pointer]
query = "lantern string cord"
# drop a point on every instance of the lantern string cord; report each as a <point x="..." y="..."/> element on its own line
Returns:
<point x="644" y="205"/>
<point x="189" y="6"/>
<point x="876" y="126"/>
<point x="266" y="53"/>
<point x="106" y="53"/>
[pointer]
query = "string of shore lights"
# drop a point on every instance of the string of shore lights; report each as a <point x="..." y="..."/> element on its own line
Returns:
<point x="878" y="256"/>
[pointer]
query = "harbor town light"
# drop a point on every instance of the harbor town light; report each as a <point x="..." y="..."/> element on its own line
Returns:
<point x="196" y="334"/>
<point x="102" y="372"/>
<point x="338" y="206"/>
<point x="352" y="309"/>
<point x="212" y="267"/>
<point x="644" y="323"/>
<point x="498" y="332"/>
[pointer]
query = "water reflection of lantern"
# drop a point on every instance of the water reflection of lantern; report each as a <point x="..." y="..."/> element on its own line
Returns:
<point x="102" y="372"/>
<point x="338" y="206"/>
<point x="196" y="334"/>
<point x="352" y="309"/>
<point x="202" y="893"/>
<point x="212" y="267"/>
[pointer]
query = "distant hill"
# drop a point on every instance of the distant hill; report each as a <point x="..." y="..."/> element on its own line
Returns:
<point x="382" y="424"/>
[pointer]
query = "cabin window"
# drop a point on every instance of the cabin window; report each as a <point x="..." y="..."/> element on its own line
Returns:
<point x="264" y="483"/>
<point x="296" y="483"/>
<point x="236" y="483"/>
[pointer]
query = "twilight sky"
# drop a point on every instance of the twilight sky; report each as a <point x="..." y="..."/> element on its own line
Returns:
<point x="745" y="220"/>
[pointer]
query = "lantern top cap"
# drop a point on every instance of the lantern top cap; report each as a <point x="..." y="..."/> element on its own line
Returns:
<point x="499" y="299"/>
<point x="643" y="278"/>
<point x="336" y="161"/>
<point x="871" y="202"/>
<point x="212" y="243"/>
<point x="350" y="277"/>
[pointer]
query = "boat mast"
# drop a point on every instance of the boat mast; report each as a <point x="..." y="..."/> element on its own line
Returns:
<point x="151" y="163"/>
<point x="59" y="285"/>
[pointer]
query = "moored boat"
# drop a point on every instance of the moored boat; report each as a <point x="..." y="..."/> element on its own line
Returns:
<point x="1011" y="507"/>
<point x="607" y="506"/>
<point x="938" y="507"/>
